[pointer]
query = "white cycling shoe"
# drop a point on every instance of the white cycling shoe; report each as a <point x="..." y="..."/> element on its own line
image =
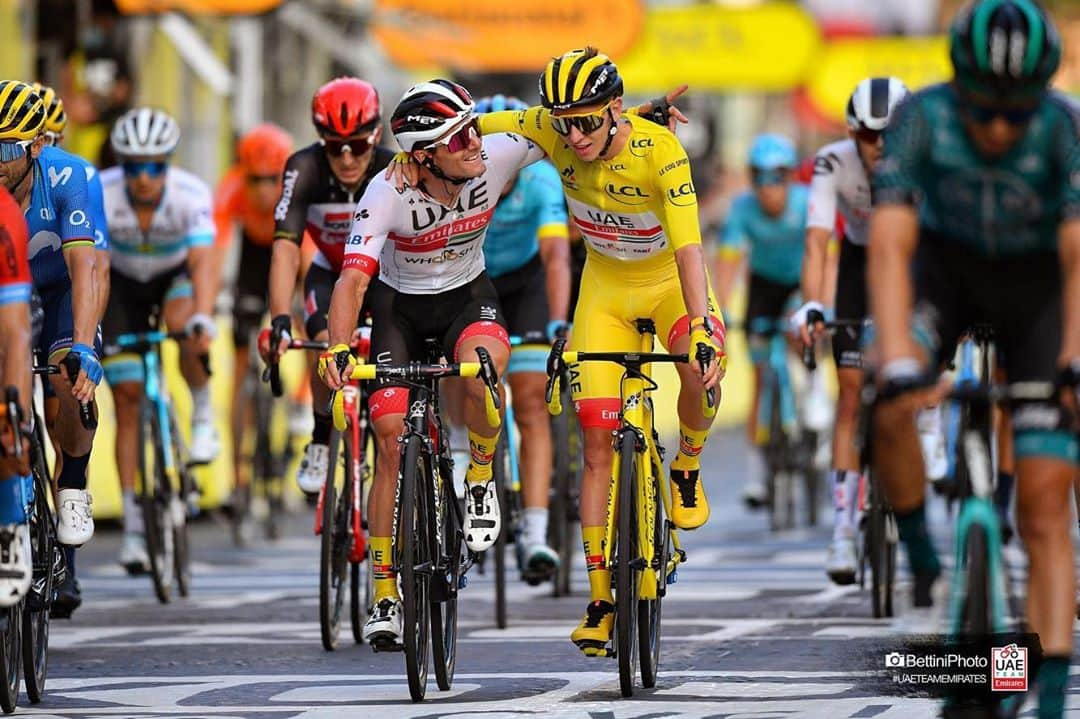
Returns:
<point x="932" y="440"/>
<point x="840" y="561"/>
<point x="482" y="516"/>
<point x="133" y="555"/>
<point x="312" y="472"/>
<point x="205" y="443"/>
<point x="16" y="566"/>
<point x="384" y="628"/>
<point x="75" y="522"/>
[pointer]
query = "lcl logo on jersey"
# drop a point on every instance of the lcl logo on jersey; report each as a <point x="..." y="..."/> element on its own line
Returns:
<point x="641" y="146"/>
<point x="626" y="194"/>
<point x="683" y="195"/>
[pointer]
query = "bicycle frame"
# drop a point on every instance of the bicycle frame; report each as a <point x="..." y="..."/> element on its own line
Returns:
<point x="776" y="375"/>
<point x="153" y="388"/>
<point x="351" y="400"/>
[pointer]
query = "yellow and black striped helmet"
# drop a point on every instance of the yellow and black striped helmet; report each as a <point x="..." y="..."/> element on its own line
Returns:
<point x="22" y="113"/>
<point x="579" y="78"/>
<point x="55" y="117"/>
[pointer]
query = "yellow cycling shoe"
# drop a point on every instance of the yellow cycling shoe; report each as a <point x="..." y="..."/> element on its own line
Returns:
<point x="690" y="508"/>
<point x="594" y="633"/>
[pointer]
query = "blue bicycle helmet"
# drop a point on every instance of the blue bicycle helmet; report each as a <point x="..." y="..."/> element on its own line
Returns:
<point x="498" y="103"/>
<point x="772" y="152"/>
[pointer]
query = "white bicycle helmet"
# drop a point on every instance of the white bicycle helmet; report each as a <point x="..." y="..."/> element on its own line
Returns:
<point x="145" y="132"/>
<point x="872" y="103"/>
<point x="428" y="111"/>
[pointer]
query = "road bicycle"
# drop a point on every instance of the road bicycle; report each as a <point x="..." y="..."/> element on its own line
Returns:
<point x="341" y="508"/>
<point x="428" y="547"/>
<point x="167" y="490"/>
<point x="641" y="544"/>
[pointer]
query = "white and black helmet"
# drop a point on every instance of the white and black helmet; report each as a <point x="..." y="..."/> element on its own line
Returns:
<point x="873" y="102"/>
<point x="428" y="111"/>
<point x="145" y="131"/>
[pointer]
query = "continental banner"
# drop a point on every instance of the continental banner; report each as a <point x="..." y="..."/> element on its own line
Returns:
<point x="765" y="48"/>
<point x="843" y="63"/>
<point x="500" y="36"/>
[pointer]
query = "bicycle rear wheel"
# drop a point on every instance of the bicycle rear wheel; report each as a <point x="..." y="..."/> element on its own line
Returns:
<point x="334" y="540"/>
<point x="412" y="556"/>
<point x="649" y="609"/>
<point x="976" y="620"/>
<point x="444" y="586"/>
<point x="626" y="555"/>
<point x="156" y="515"/>
<point x="10" y="657"/>
<point x="878" y="552"/>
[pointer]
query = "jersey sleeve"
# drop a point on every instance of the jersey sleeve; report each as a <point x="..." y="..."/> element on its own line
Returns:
<point x="297" y="187"/>
<point x="1068" y="150"/>
<point x="679" y="205"/>
<point x="533" y="123"/>
<point x="822" y="210"/>
<point x="733" y="233"/>
<point x="372" y="224"/>
<point x="97" y="208"/>
<point x="895" y="179"/>
<point x="550" y="204"/>
<point x="508" y="153"/>
<point x="14" y="246"/>
<point x="200" y="220"/>
<point x="74" y="209"/>
<point x="225" y="208"/>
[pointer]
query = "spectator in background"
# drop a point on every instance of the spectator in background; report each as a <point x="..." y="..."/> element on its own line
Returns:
<point x="96" y="83"/>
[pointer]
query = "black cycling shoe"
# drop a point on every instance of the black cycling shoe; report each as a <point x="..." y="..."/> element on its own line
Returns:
<point x="68" y="598"/>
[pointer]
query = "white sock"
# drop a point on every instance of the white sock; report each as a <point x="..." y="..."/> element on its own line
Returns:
<point x="535" y="520"/>
<point x="201" y="409"/>
<point x="133" y="519"/>
<point x="846" y="500"/>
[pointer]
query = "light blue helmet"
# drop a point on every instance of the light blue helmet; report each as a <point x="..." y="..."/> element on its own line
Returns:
<point x="498" y="103"/>
<point x="771" y="152"/>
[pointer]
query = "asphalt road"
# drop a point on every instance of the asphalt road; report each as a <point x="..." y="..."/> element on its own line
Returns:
<point x="751" y="629"/>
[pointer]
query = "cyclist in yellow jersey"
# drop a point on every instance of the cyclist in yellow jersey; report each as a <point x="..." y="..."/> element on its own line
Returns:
<point x="628" y="188"/>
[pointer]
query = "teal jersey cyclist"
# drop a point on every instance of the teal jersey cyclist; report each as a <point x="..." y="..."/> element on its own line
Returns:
<point x="527" y="255"/>
<point x="979" y="184"/>
<point x="768" y="223"/>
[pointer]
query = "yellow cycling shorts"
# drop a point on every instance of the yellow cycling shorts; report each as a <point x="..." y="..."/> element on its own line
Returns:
<point x="610" y="301"/>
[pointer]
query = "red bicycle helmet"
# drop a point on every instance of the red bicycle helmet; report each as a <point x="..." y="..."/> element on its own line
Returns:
<point x="345" y="107"/>
<point x="264" y="150"/>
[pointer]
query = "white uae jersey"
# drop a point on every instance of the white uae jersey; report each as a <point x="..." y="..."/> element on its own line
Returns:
<point x="840" y="183"/>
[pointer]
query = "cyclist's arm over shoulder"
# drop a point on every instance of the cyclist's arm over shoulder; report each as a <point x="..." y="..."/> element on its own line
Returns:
<point x="533" y="123"/>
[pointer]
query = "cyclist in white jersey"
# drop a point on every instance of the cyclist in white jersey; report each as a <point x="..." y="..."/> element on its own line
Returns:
<point x="841" y="183"/>
<point x="162" y="234"/>
<point x="419" y="253"/>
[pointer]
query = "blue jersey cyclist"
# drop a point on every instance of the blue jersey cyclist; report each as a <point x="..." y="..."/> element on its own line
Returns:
<point x="51" y="188"/>
<point x="767" y="223"/>
<point x="979" y="183"/>
<point x="527" y="255"/>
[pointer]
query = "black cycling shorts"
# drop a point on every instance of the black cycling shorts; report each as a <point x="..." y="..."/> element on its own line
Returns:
<point x="136" y="306"/>
<point x="523" y="297"/>
<point x="318" y="288"/>
<point x="402" y="324"/>
<point x="765" y="305"/>
<point x="252" y="282"/>
<point x="850" y="305"/>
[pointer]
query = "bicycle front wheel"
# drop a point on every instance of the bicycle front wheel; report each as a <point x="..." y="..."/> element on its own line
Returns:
<point x="334" y="545"/>
<point x="179" y="509"/>
<point x="976" y="620"/>
<point x="626" y="555"/>
<point x="444" y="614"/>
<point x="44" y="550"/>
<point x="500" y="472"/>
<point x="412" y="556"/>
<point x="878" y="551"/>
<point x="156" y="515"/>
<point x="10" y="657"/>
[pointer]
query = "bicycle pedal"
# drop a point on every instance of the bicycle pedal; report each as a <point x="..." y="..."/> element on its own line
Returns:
<point x="596" y="649"/>
<point x="386" y="645"/>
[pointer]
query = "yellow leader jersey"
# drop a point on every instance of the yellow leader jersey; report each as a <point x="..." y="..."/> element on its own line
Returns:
<point x="635" y="209"/>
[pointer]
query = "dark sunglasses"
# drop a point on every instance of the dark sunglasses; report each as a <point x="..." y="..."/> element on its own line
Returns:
<point x="263" y="179"/>
<point x="14" y="150"/>
<point x="868" y="136"/>
<point x="152" y="168"/>
<point x="460" y="139"/>
<point x="984" y="114"/>
<point x="338" y="146"/>
<point x="586" y="124"/>
<point x="762" y="178"/>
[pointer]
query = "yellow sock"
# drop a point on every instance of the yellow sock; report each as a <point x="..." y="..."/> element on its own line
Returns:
<point x="691" y="442"/>
<point x="599" y="572"/>
<point x="481" y="452"/>
<point x="382" y="568"/>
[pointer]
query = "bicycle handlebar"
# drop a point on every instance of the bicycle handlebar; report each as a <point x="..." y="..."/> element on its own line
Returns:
<point x="808" y="357"/>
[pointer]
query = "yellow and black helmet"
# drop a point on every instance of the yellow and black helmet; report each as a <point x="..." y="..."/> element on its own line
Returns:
<point x="55" y="117"/>
<point x="22" y="113"/>
<point x="579" y="78"/>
